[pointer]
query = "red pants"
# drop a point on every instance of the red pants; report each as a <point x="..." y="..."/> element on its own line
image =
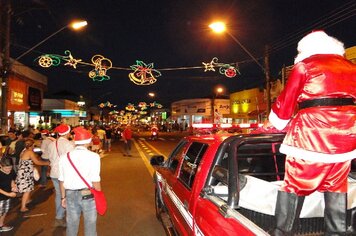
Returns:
<point x="305" y="177"/>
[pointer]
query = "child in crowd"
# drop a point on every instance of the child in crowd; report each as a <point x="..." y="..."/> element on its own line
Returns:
<point x="7" y="190"/>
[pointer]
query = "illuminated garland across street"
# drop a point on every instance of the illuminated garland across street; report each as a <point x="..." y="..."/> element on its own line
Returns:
<point x="131" y="112"/>
<point x="143" y="74"/>
<point x="143" y="106"/>
<point x="225" y="69"/>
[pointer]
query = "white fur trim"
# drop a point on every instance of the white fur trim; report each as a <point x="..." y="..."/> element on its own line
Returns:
<point x="316" y="156"/>
<point x="276" y="121"/>
<point x="318" y="42"/>
<point x="86" y="141"/>
<point x="67" y="132"/>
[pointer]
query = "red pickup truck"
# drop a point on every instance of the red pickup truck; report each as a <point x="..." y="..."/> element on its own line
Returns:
<point x="227" y="184"/>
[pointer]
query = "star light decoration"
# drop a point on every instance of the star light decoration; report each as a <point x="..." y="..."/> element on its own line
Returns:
<point x="48" y="60"/>
<point x="143" y="74"/>
<point x="228" y="70"/>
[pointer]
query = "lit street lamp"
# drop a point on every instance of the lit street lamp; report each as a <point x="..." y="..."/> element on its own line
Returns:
<point x="218" y="90"/>
<point x="6" y="65"/>
<point x="151" y="94"/>
<point x="76" y="25"/>
<point x="220" y="27"/>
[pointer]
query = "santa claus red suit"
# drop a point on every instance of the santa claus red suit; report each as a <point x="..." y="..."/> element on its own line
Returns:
<point x="321" y="136"/>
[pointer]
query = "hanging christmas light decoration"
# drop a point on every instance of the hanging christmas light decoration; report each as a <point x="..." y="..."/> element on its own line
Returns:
<point x="228" y="70"/>
<point x="143" y="74"/>
<point x="101" y="66"/>
<point x="156" y="104"/>
<point x="71" y="61"/>
<point x="130" y="107"/>
<point x="209" y="66"/>
<point x="142" y="105"/>
<point x="106" y="104"/>
<point x="48" y="60"/>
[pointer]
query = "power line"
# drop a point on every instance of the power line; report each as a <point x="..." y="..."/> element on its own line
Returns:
<point x="336" y="16"/>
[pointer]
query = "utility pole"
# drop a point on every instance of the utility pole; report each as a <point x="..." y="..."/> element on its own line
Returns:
<point x="5" y="59"/>
<point x="268" y="84"/>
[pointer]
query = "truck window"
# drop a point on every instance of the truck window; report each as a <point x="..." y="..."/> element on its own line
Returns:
<point x="176" y="156"/>
<point x="262" y="160"/>
<point x="191" y="162"/>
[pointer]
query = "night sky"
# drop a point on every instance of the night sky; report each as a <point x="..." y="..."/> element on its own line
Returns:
<point x="170" y="34"/>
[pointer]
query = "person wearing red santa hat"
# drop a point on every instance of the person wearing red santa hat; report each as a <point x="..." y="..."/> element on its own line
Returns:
<point x="55" y="149"/>
<point x="321" y="136"/>
<point x="76" y="197"/>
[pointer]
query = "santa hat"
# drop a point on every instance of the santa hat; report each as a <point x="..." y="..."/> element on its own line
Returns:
<point x="62" y="129"/>
<point x="318" y="42"/>
<point x="45" y="131"/>
<point x="81" y="136"/>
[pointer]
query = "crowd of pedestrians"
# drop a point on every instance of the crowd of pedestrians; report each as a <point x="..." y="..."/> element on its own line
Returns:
<point x="19" y="164"/>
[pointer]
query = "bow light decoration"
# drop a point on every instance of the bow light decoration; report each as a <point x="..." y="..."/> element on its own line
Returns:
<point x="143" y="74"/>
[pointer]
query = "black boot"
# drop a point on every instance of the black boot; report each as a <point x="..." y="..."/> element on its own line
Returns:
<point x="351" y="226"/>
<point x="288" y="208"/>
<point x="335" y="213"/>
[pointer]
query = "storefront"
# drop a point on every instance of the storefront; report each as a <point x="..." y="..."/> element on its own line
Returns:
<point x="201" y="110"/>
<point x="56" y="111"/>
<point x="25" y="94"/>
<point x="247" y="106"/>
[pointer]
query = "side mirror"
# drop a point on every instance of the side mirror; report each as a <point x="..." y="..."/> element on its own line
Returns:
<point x="156" y="160"/>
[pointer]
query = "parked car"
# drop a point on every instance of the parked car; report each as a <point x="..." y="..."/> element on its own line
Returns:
<point x="226" y="184"/>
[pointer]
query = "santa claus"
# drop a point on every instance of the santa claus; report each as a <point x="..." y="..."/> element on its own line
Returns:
<point x="318" y="105"/>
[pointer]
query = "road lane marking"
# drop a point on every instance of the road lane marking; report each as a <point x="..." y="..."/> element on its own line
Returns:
<point x="143" y="157"/>
<point x="156" y="150"/>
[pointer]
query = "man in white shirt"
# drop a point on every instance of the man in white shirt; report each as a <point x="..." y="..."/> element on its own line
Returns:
<point x="57" y="148"/>
<point x="46" y="141"/>
<point x="76" y="196"/>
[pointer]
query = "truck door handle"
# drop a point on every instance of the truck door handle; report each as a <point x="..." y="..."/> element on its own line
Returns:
<point x="185" y="204"/>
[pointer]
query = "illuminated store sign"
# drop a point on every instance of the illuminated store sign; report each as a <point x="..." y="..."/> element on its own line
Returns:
<point x="17" y="98"/>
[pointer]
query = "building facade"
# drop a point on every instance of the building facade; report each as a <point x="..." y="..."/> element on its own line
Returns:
<point x="200" y="110"/>
<point x="25" y="94"/>
<point x="56" y="111"/>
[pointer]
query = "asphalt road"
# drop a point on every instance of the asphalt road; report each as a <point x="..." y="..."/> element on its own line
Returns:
<point x="128" y="186"/>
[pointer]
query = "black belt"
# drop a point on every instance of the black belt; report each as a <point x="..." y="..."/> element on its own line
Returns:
<point x="78" y="190"/>
<point x="326" y="102"/>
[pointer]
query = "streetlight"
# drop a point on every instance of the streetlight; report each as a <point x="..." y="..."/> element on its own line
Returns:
<point x="6" y="66"/>
<point x="220" y="27"/>
<point x="76" y="25"/>
<point x="151" y="94"/>
<point x="218" y="90"/>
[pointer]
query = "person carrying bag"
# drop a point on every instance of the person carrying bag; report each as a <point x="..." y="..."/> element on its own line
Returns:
<point x="79" y="180"/>
<point x="99" y="197"/>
